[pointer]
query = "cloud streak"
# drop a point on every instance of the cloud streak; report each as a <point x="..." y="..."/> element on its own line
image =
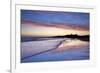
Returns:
<point x="38" y="29"/>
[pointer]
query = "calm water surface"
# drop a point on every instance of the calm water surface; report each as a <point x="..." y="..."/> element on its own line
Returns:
<point x="69" y="49"/>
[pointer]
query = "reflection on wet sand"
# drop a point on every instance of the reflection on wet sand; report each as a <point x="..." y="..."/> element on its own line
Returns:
<point x="69" y="49"/>
<point x="70" y="44"/>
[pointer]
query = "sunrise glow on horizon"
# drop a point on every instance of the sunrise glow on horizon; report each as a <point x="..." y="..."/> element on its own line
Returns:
<point x="42" y="31"/>
<point x="54" y="35"/>
<point x="51" y="23"/>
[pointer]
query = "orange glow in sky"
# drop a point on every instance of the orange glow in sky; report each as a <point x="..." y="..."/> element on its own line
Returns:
<point x="45" y="30"/>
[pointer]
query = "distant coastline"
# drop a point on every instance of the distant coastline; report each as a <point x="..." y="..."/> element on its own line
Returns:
<point x="80" y="37"/>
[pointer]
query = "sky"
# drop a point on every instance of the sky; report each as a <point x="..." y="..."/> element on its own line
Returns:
<point x="54" y="23"/>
